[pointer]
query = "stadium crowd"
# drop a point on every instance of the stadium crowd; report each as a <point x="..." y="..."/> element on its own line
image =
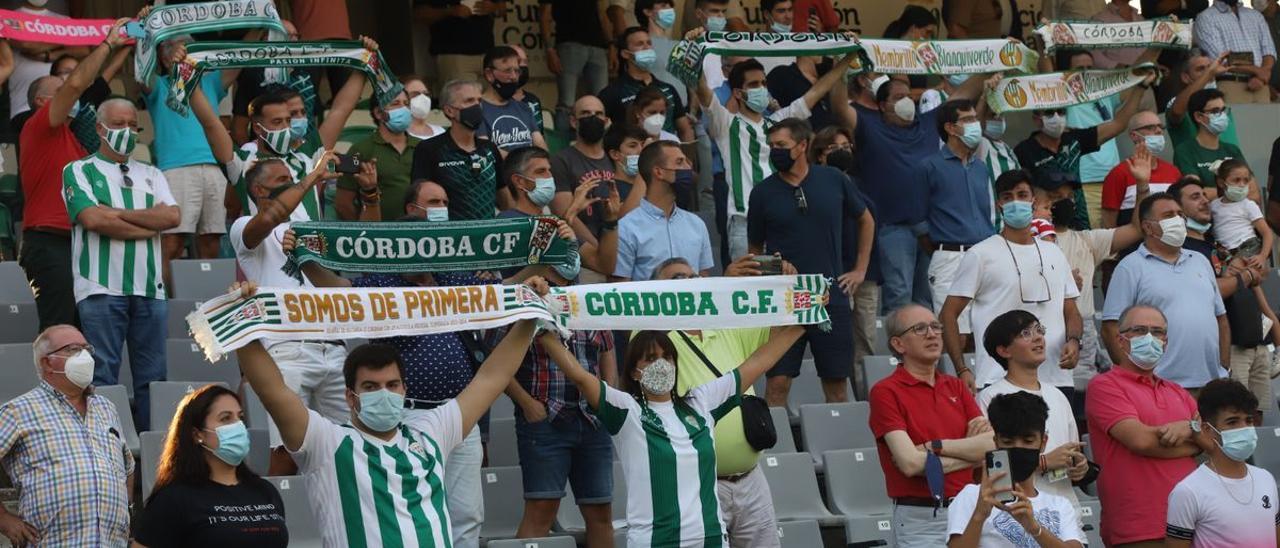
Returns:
<point x="1016" y="402"/>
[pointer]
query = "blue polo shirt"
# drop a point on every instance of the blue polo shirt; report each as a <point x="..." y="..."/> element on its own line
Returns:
<point x="646" y="237"/>
<point x="958" y="197"/>
<point x="889" y="155"/>
<point x="1187" y="292"/>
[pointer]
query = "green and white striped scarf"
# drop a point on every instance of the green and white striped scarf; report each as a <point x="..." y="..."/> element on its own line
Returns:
<point x="229" y="322"/>
<point x="411" y="247"/>
<point x="1152" y="33"/>
<point x="166" y="22"/>
<point x="685" y="62"/>
<point x="1062" y="89"/>
<point x="206" y="56"/>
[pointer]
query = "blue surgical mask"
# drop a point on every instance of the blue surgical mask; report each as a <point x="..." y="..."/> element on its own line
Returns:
<point x="437" y="214"/>
<point x="1198" y="226"/>
<point x="1155" y="143"/>
<point x="1236" y="193"/>
<point x="398" y="119"/>
<point x="543" y="191"/>
<point x="972" y="134"/>
<point x="716" y="23"/>
<point x="780" y="28"/>
<point x="233" y="443"/>
<point x="75" y="110"/>
<point x="758" y="99"/>
<point x="645" y="58"/>
<point x="995" y="128"/>
<point x="666" y="17"/>
<point x="381" y="410"/>
<point x="632" y="166"/>
<point x="298" y="128"/>
<point x="1239" y="443"/>
<point x="957" y="79"/>
<point x="1145" y="351"/>
<point x="1016" y="214"/>
<point x="1218" y="122"/>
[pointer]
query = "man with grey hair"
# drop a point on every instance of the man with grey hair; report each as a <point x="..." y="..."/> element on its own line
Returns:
<point x="63" y="447"/>
<point x="465" y="166"/>
<point x="1141" y="427"/>
<point x="1120" y="187"/>
<point x="924" y="421"/>
<point x="118" y="208"/>
<point x="47" y="144"/>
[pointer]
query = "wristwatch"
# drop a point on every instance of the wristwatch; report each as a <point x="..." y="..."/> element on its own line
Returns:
<point x="1195" y="425"/>
<point x="935" y="447"/>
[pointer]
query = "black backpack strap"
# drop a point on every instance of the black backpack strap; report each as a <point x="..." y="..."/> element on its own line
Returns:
<point x="701" y="356"/>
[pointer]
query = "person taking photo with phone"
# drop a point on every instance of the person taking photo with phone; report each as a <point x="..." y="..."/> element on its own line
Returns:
<point x="1007" y="509"/>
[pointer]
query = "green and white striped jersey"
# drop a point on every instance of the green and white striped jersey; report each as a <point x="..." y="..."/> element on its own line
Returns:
<point x="100" y="264"/>
<point x="670" y="448"/>
<point x="744" y="148"/>
<point x="999" y="158"/>
<point x="367" y="493"/>
<point x="299" y="164"/>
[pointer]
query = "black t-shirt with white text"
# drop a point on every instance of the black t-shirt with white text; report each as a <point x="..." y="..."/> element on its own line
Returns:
<point x="212" y="515"/>
<point x="469" y="178"/>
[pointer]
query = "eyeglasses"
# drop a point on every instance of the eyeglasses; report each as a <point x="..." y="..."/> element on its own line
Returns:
<point x="922" y="329"/>
<point x="683" y="276"/>
<point x="71" y="350"/>
<point x="1217" y="110"/>
<point x="124" y="173"/>
<point x="1054" y="112"/>
<point x="1142" y="331"/>
<point x="1040" y="292"/>
<point x="802" y="203"/>
<point x="507" y="71"/>
<point x="1150" y="127"/>
<point x="1032" y="331"/>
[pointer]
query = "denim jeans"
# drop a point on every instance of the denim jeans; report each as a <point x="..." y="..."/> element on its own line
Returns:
<point x="578" y="60"/>
<point x="108" y="322"/>
<point x="904" y="265"/>
<point x="565" y="448"/>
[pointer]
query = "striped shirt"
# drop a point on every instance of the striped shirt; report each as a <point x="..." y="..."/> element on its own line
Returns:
<point x="102" y="265"/>
<point x="372" y="493"/>
<point x="669" y="447"/>
<point x="70" y="469"/>
<point x="299" y="165"/>
<point x="999" y="158"/>
<point x="744" y="148"/>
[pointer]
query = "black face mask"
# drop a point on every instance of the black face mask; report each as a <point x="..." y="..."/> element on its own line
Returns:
<point x="1063" y="213"/>
<point x="590" y="130"/>
<point x="506" y="90"/>
<point x="781" y="159"/>
<point x="524" y="76"/>
<point x="277" y="191"/>
<point x="1023" y="462"/>
<point x="842" y="160"/>
<point x="471" y="117"/>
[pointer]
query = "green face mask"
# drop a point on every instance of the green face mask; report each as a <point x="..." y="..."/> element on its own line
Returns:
<point x="122" y="140"/>
<point x="277" y="140"/>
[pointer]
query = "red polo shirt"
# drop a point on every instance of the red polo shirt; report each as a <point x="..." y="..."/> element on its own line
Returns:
<point x="925" y="413"/>
<point x="45" y="151"/>
<point x="1134" y="489"/>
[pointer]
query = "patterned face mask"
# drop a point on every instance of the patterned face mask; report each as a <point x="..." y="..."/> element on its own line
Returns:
<point x="659" y="378"/>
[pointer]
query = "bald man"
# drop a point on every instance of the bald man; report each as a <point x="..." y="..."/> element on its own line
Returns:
<point x="1119" y="189"/>
<point x="584" y="161"/>
<point x="426" y="200"/>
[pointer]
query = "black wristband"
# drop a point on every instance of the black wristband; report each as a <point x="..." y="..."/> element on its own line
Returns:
<point x="609" y="225"/>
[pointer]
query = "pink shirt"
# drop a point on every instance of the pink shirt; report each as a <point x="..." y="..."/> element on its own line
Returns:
<point x="1134" y="489"/>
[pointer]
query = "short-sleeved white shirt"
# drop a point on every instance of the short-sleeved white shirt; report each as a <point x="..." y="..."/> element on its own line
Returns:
<point x="1060" y="428"/>
<point x="1202" y="510"/>
<point x="1085" y="250"/>
<point x="1054" y="513"/>
<point x="1233" y="221"/>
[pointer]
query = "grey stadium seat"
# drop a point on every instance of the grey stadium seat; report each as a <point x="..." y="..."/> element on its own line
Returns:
<point x="19" y="372"/>
<point x="149" y="455"/>
<point x="806" y="388"/>
<point x="870" y="530"/>
<point x="259" y="457"/>
<point x="503" y="490"/>
<point x="19" y="323"/>
<point x="304" y="532"/>
<point x="177" y="320"/>
<point x="186" y="363"/>
<point x="1091" y="520"/>
<point x="545" y="542"/>
<point x="502" y="408"/>
<point x="254" y="412"/>
<point x="502" y="442"/>
<point x="876" y="368"/>
<point x="795" y="489"/>
<point x="120" y="398"/>
<point x="202" y="279"/>
<point x="165" y="396"/>
<point x="881" y="344"/>
<point x="782" y="423"/>
<point x="856" y="490"/>
<point x="1267" y="455"/>
<point x="799" y="534"/>
<point x="14" y="287"/>
<point x="829" y="426"/>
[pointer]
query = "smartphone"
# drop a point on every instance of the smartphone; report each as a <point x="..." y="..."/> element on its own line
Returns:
<point x="348" y="164"/>
<point x="134" y="29"/>
<point x="770" y="265"/>
<point x="602" y="190"/>
<point x="1240" y="58"/>
<point x="997" y="462"/>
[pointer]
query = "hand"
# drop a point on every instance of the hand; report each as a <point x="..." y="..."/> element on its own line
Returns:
<point x="1255" y="84"/>
<point x="582" y="198"/>
<point x="1020" y="510"/>
<point x="988" y="495"/>
<point x="368" y="176"/>
<point x="19" y="533"/>
<point x="486" y="275"/>
<point x="369" y="43"/>
<point x="565" y="231"/>
<point x="695" y="33"/>
<point x="289" y="241"/>
<point x="977" y="426"/>
<point x="970" y="381"/>
<point x="815" y="24"/>
<point x="177" y="53"/>
<point x="1174" y="433"/>
<point x="485" y="7"/>
<point x="460" y="10"/>
<point x="246" y="289"/>
<point x="143" y="13"/>
<point x="322" y="171"/>
<point x="1063" y="456"/>
<point x="1079" y="469"/>
<point x="745" y="265"/>
<point x="849" y="281"/>
<point x="1070" y="354"/>
<point x="789" y="269"/>
<point x="993" y="81"/>
<point x="538" y="285"/>
<point x="553" y="61"/>
<point x="536" y="411"/>
<point x="1141" y="164"/>
<point x="613" y="206"/>
<point x="1254" y="263"/>
<point x="116" y="37"/>
<point x="1075" y="273"/>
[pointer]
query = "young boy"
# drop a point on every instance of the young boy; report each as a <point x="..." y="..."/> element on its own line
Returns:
<point x="1224" y="502"/>
<point x="1035" y="518"/>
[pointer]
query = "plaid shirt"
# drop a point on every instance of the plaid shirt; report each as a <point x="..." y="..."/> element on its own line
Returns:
<point x="546" y="382"/>
<point x="70" y="470"/>
<point x="1217" y="29"/>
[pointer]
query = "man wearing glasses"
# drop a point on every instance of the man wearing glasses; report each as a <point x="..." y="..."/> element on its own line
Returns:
<point x="1182" y="284"/>
<point x="1140" y="425"/>
<point x="118" y="208"/>
<point x="1199" y="156"/>
<point x="62" y="443"/>
<point x="925" y="422"/>
<point x="1015" y="271"/>
<point x="799" y="212"/>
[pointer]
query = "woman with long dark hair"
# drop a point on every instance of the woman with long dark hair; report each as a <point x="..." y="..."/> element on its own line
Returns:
<point x="664" y="440"/>
<point x="204" y="495"/>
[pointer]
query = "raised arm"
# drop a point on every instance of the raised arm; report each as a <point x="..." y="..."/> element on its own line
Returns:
<point x="277" y="211"/>
<point x="588" y="384"/>
<point x="344" y="102"/>
<point x="763" y="359"/>
<point x="6" y="61"/>
<point x="827" y="81"/>
<point x="283" y="404"/>
<point x="1178" y="109"/>
<point x="83" y="76"/>
<point x="1132" y="99"/>
<point x="497" y="370"/>
<point x="219" y="138"/>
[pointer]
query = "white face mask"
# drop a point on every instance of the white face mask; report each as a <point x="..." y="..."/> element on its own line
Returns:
<point x="78" y="368"/>
<point x="420" y="107"/>
<point x="38" y="3"/>
<point x="659" y="377"/>
<point x="653" y="124"/>
<point x="1173" y="231"/>
<point x="905" y="108"/>
<point x="1054" y="125"/>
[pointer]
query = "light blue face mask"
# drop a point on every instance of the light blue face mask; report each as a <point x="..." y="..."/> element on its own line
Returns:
<point x="1155" y="143"/>
<point x="437" y="214"/>
<point x="1145" y="351"/>
<point x="758" y="99"/>
<point x="972" y="134"/>
<point x="1016" y="214"/>
<point x="398" y="119"/>
<point x="716" y="23"/>
<point x="1218" y="122"/>
<point x="543" y="191"/>
<point x="233" y="443"/>
<point x="298" y="128"/>
<point x="957" y="80"/>
<point x="1198" y="226"/>
<point x="381" y="410"/>
<point x="995" y="128"/>
<point x="75" y="110"/>
<point x="780" y="28"/>
<point x="632" y="165"/>
<point x="1239" y="443"/>
<point x="645" y="58"/>
<point x="666" y="17"/>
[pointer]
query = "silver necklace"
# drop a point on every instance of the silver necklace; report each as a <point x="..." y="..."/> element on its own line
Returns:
<point x="1247" y="476"/>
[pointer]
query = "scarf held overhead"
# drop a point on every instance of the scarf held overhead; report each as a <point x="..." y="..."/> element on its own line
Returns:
<point x="1062" y="89"/>
<point x="226" y="323"/>
<point x="411" y="247"/>
<point x="685" y="62"/>
<point x="206" y="56"/>
<point x="25" y="27"/>
<point x="1155" y="33"/>
<point x="173" y="21"/>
